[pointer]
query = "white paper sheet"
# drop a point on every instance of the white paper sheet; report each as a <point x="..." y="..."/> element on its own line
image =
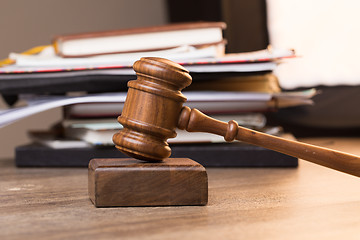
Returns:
<point x="200" y="99"/>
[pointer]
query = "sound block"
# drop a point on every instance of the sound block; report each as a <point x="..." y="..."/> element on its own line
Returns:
<point x="116" y="182"/>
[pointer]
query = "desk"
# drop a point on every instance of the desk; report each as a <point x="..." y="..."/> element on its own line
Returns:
<point x="310" y="202"/>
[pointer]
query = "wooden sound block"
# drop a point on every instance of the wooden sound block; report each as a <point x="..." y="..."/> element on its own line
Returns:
<point x="116" y="182"/>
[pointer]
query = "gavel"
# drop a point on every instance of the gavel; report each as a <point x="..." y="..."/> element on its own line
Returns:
<point x="154" y="109"/>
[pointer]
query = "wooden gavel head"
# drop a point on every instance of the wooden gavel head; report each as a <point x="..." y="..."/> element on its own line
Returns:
<point x="152" y="108"/>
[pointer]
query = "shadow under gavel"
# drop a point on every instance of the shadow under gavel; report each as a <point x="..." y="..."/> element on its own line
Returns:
<point x="154" y="108"/>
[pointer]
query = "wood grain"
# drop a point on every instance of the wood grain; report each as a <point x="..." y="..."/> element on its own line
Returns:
<point x="193" y="120"/>
<point x="130" y="182"/>
<point x="310" y="202"/>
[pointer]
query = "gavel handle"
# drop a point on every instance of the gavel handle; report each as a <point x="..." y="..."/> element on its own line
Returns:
<point x="193" y="120"/>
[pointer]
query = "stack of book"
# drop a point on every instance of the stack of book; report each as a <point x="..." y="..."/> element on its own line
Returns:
<point x="86" y="74"/>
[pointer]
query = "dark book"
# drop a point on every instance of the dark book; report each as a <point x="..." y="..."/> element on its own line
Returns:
<point x="209" y="155"/>
<point x="11" y="85"/>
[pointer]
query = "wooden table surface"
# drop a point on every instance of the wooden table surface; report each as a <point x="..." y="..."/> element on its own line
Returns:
<point x="310" y="202"/>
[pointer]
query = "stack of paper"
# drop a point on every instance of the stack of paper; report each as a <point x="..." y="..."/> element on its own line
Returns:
<point x="102" y="62"/>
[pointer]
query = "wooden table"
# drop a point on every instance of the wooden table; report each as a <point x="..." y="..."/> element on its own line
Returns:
<point x="310" y="202"/>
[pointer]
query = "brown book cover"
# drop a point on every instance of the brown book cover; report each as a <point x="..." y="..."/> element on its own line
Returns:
<point x="264" y="82"/>
<point x="148" y="35"/>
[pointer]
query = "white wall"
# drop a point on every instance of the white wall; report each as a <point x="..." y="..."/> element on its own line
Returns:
<point x="28" y="23"/>
<point x="325" y="34"/>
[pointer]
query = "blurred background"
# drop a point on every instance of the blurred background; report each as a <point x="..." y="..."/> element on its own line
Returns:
<point x="25" y="24"/>
<point x="328" y="29"/>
